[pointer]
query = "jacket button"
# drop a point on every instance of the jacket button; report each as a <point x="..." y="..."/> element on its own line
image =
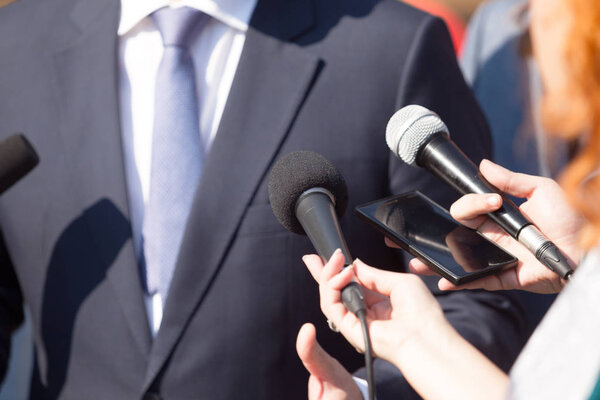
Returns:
<point x="151" y="396"/>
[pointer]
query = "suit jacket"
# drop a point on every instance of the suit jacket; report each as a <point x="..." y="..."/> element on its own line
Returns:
<point x="314" y="75"/>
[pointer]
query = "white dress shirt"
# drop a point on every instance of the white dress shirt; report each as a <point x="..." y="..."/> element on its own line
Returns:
<point x="215" y="51"/>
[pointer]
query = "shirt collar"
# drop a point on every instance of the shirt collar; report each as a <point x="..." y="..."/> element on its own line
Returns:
<point x="234" y="13"/>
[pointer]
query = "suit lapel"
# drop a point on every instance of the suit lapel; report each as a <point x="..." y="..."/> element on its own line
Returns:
<point x="86" y="70"/>
<point x="271" y="82"/>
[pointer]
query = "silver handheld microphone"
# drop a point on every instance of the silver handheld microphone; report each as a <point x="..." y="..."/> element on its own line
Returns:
<point x="420" y="138"/>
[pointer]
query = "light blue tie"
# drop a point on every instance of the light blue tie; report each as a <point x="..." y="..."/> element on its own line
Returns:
<point x="177" y="152"/>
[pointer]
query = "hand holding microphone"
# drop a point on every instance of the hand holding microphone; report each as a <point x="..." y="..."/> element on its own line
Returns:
<point x="419" y="137"/>
<point x="545" y="205"/>
<point x="409" y="330"/>
<point x="307" y="195"/>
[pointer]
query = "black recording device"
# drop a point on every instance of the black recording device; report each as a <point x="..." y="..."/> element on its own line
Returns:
<point x="427" y="231"/>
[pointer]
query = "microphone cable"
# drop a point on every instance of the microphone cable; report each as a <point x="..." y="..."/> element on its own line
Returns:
<point x="362" y="316"/>
<point x="354" y="301"/>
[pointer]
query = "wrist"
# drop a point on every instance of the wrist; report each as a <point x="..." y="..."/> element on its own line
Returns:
<point x="439" y="364"/>
<point x="432" y="332"/>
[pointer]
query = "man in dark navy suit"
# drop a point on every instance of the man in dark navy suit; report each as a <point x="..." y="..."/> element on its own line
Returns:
<point x="312" y="75"/>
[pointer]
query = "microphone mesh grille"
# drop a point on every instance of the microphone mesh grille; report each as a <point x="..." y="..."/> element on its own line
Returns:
<point x="409" y="128"/>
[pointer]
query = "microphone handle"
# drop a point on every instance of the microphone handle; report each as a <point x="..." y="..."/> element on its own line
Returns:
<point x="445" y="160"/>
<point x="316" y="213"/>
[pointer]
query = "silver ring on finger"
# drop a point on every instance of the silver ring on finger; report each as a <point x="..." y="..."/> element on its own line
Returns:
<point x="332" y="326"/>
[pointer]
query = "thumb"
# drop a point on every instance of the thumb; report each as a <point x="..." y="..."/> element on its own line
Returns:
<point x="328" y="378"/>
<point x="315" y="359"/>
<point x="308" y="349"/>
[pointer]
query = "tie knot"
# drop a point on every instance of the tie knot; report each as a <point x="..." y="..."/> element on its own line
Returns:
<point x="176" y="25"/>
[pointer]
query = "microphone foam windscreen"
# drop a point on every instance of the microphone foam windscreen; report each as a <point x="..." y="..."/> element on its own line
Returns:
<point x="296" y="173"/>
<point x="17" y="158"/>
<point x="410" y="128"/>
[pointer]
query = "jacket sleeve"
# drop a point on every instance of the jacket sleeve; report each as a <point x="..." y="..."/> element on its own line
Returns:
<point x="11" y="306"/>
<point x="431" y="78"/>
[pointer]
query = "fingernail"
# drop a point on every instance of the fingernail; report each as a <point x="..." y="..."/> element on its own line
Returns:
<point x="493" y="200"/>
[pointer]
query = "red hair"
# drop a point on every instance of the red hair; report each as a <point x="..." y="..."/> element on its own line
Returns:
<point x="574" y="113"/>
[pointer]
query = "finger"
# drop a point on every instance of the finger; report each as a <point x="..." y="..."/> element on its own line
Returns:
<point x="333" y="266"/>
<point x="374" y="279"/>
<point x="305" y="342"/>
<point x="445" y="284"/>
<point x="331" y="303"/>
<point x="310" y="352"/>
<point x="390" y="243"/>
<point x="489" y="283"/>
<point x="342" y="279"/>
<point x="513" y="183"/>
<point x="418" y="267"/>
<point x="330" y="292"/>
<point x="471" y="208"/>
<point x="314" y="264"/>
<point x="316" y="360"/>
<point x="330" y="300"/>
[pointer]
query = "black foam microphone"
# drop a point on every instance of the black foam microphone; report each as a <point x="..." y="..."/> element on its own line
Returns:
<point x="420" y="138"/>
<point x="307" y="195"/>
<point x="17" y="158"/>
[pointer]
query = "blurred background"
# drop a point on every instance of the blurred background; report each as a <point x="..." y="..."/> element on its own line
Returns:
<point x="464" y="8"/>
